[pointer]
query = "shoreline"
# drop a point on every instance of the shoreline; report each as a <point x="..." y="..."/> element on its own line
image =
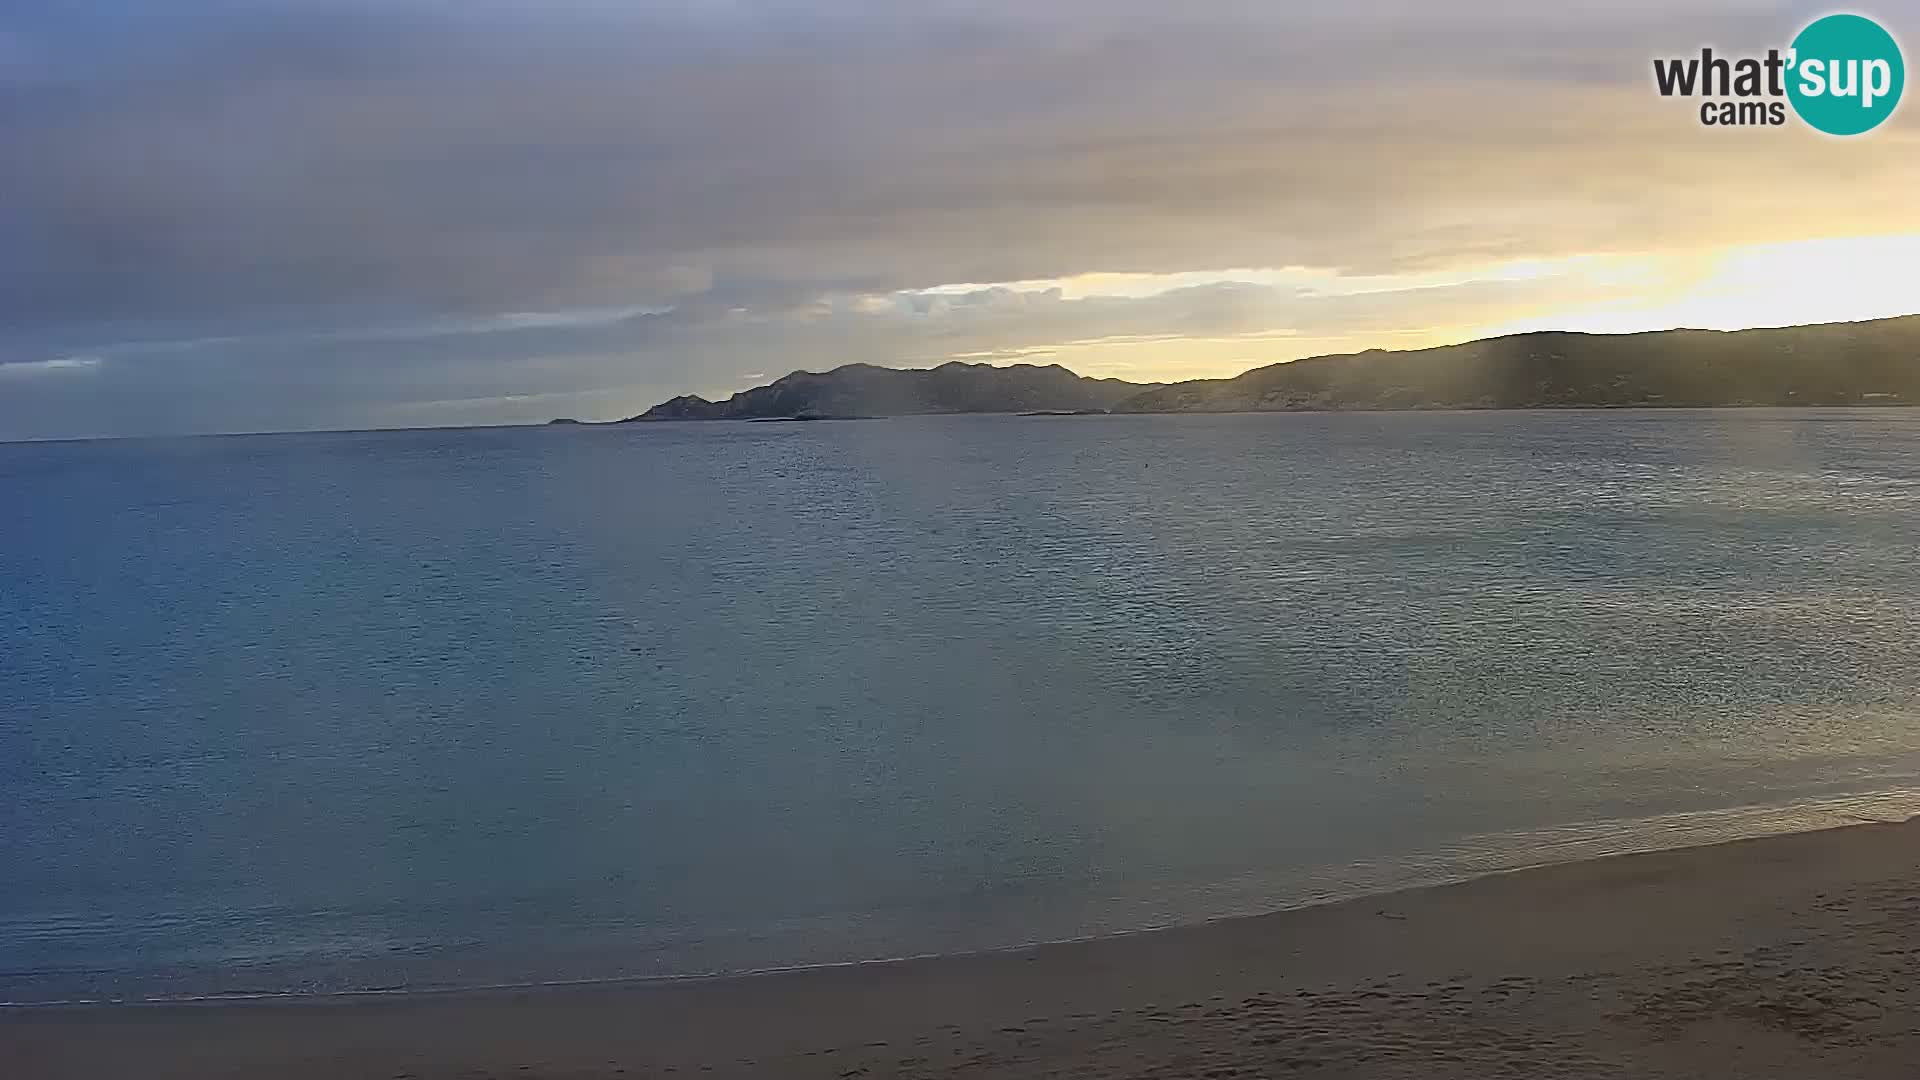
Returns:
<point x="1697" y="935"/>
<point x="1571" y="843"/>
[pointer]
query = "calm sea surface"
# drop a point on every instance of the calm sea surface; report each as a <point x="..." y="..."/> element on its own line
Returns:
<point x="317" y="712"/>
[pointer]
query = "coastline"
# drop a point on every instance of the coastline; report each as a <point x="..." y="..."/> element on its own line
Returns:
<point x="1460" y="859"/>
<point x="1782" y="955"/>
<point x="528" y="425"/>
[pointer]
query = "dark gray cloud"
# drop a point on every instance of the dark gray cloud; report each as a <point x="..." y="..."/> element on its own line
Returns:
<point x="291" y="172"/>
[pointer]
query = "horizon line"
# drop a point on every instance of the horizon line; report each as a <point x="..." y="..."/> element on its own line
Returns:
<point x="1018" y="364"/>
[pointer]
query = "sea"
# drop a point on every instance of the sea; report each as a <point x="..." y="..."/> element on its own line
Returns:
<point x="411" y="711"/>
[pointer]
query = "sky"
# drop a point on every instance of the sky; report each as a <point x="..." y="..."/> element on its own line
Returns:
<point x="249" y="215"/>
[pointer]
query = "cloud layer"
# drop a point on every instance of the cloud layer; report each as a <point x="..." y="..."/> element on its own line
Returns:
<point x="301" y="213"/>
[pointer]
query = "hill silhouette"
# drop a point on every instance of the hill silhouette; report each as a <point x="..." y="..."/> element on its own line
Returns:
<point x="1827" y="364"/>
<point x="868" y="390"/>
<point x="1859" y="363"/>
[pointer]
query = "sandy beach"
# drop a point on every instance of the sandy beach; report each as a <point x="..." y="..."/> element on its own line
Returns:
<point x="1786" y="956"/>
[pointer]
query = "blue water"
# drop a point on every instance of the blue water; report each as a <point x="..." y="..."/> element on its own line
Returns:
<point x="318" y="712"/>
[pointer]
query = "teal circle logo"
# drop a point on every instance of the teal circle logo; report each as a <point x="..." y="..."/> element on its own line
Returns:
<point x="1846" y="74"/>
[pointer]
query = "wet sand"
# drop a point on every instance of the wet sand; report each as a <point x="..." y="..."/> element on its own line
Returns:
<point x="1794" y="956"/>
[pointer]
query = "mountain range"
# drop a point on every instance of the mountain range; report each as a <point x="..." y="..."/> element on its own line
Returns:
<point x="1874" y="362"/>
